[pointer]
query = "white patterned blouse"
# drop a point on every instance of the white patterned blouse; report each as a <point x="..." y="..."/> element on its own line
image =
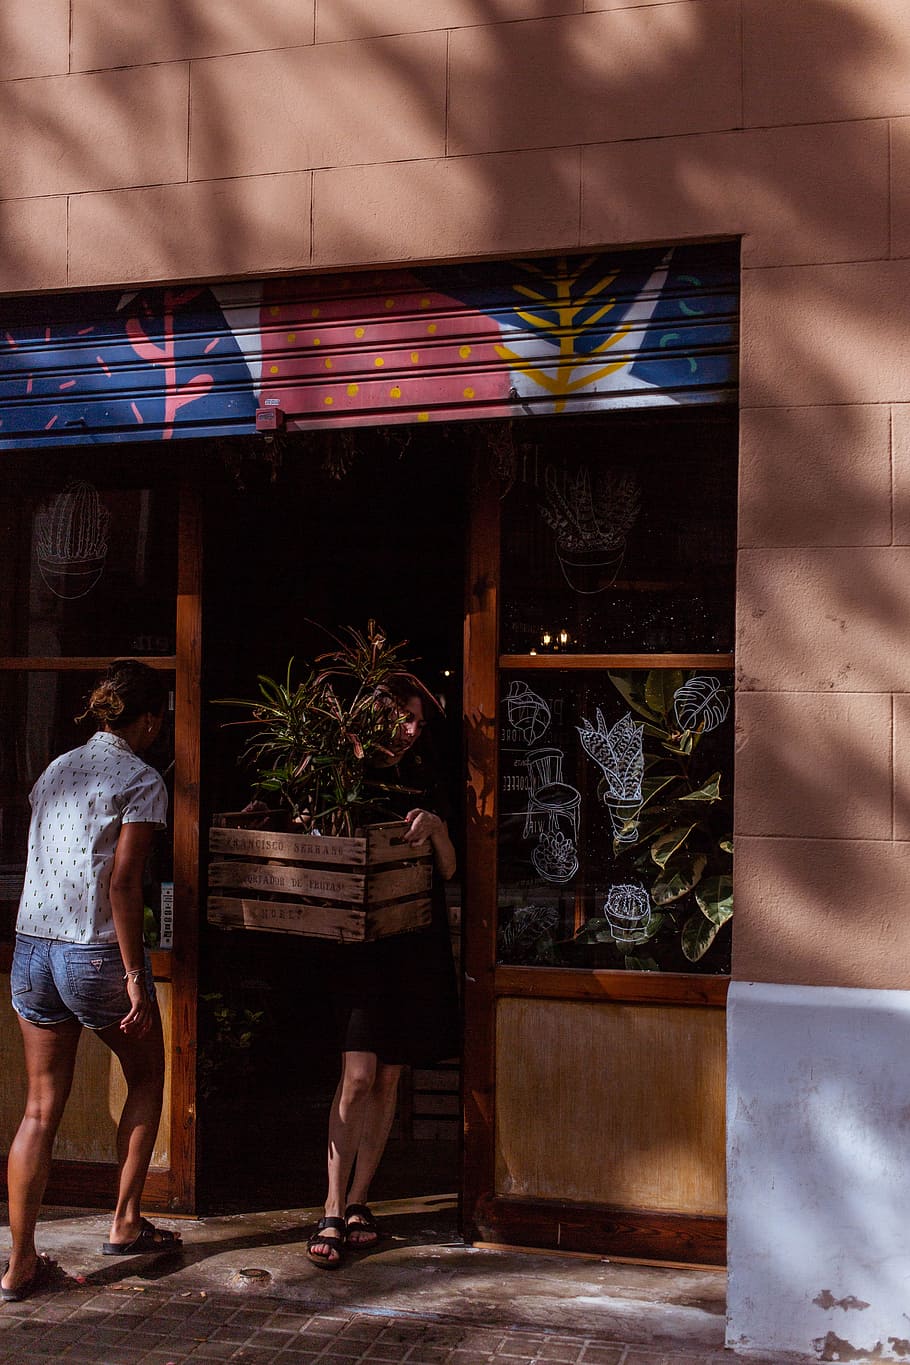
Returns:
<point x="79" y="804"/>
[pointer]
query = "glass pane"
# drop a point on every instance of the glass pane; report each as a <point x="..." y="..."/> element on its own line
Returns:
<point x="88" y="559"/>
<point x="37" y="723"/>
<point x="616" y="819"/>
<point x="619" y="537"/>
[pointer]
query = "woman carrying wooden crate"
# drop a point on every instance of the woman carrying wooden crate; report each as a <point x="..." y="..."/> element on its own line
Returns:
<point x="396" y="1002"/>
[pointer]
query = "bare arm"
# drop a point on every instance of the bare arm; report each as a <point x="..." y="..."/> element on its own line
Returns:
<point x="133" y="847"/>
<point x="425" y="825"/>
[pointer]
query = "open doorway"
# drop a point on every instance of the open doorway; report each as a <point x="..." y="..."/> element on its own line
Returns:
<point x="303" y="538"/>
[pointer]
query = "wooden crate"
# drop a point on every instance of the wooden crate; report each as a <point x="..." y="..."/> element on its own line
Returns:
<point x="350" y="890"/>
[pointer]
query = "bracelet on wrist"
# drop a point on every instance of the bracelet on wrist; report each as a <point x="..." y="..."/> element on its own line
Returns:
<point x="136" y="976"/>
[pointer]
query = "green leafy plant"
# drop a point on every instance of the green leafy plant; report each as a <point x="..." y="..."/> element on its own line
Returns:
<point x="225" y="1057"/>
<point x="318" y="743"/>
<point x="676" y="842"/>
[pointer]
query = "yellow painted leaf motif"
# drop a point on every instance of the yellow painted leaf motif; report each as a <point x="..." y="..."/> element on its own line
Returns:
<point x="569" y="302"/>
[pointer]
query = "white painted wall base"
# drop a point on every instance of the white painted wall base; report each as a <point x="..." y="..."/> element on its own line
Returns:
<point x="818" y="1134"/>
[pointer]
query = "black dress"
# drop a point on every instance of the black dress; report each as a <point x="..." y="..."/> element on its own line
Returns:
<point x="398" y="996"/>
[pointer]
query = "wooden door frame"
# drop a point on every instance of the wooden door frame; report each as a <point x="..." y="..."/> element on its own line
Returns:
<point x="486" y="1216"/>
<point x="172" y="1189"/>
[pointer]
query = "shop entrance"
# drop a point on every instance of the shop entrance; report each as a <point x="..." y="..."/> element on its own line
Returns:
<point x="301" y="540"/>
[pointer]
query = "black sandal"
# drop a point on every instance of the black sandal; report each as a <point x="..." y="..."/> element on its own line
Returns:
<point x="150" y="1241"/>
<point x="359" y="1218"/>
<point x="335" y="1242"/>
<point x="41" y="1277"/>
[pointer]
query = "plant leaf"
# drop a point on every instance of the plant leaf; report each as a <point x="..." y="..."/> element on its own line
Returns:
<point x="709" y="792"/>
<point x="715" y="899"/>
<point x="661" y="686"/>
<point x="663" y="848"/>
<point x="678" y="880"/>
<point x="697" y="936"/>
<point x="634" y="693"/>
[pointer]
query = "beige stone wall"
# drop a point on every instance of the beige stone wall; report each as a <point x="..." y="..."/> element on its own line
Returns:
<point x="182" y="139"/>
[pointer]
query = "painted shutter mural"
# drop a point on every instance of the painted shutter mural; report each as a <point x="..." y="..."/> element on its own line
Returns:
<point x="499" y="339"/>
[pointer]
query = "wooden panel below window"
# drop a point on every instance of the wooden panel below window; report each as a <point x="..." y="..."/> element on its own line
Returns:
<point x="89" y="1128"/>
<point x="614" y="1105"/>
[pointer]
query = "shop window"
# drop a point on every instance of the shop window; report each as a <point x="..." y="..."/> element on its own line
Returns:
<point x="615" y="719"/>
<point x="87" y="559"/>
<point x="88" y="573"/>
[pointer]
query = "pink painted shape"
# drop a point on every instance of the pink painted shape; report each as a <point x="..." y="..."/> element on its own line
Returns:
<point x="395" y="312"/>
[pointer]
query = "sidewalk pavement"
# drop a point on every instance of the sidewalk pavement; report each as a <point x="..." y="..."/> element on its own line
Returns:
<point x="242" y="1290"/>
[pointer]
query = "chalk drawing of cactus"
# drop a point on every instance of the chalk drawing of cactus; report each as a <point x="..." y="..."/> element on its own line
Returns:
<point x="71" y="540"/>
<point x="591" y="523"/>
<point x="628" y="912"/>
<point x="619" y="754"/>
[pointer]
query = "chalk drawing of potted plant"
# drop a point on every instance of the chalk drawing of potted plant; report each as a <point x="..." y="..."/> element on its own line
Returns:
<point x="619" y="754"/>
<point x="591" y="524"/>
<point x="628" y="912"/>
<point x="71" y="540"/>
<point x="555" y="857"/>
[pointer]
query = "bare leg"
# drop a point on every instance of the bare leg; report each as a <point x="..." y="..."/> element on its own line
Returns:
<point x="346" y="1120"/>
<point x="142" y="1060"/>
<point x="373" y="1138"/>
<point x="50" y="1058"/>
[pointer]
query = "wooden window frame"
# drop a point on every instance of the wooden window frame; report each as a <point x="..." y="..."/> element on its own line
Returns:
<point x="172" y="1189"/>
<point x="488" y="1218"/>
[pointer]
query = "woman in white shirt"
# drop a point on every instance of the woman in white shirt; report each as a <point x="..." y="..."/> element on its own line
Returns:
<point x="79" y="960"/>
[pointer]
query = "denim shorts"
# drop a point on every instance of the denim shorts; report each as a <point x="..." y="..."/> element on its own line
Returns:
<point x="53" y="981"/>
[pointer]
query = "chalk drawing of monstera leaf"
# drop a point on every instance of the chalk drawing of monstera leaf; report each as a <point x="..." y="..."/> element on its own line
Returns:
<point x="702" y="703"/>
<point x="71" y="540"/>
<point x="591" y="522"/>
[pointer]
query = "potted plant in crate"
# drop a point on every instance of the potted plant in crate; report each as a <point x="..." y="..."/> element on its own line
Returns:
<point x="331" y="863"/>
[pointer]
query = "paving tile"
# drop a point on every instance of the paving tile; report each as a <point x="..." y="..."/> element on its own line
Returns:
<point x="561" y="1350"/>
<point x="364" y="1329"/>
<point x="216" y="1350"/>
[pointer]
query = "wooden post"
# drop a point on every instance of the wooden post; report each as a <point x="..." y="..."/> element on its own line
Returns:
<point x="479" y="920"/>
<point x="187" y="734"/>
